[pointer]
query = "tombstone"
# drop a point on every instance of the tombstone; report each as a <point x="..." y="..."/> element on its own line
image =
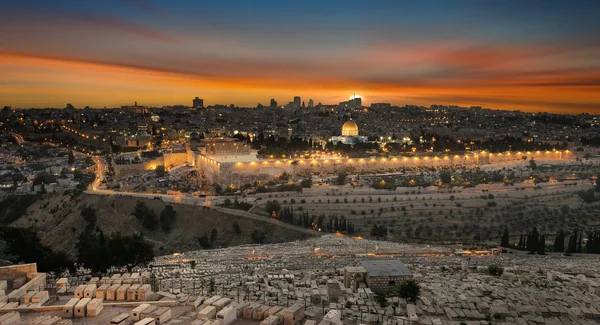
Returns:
<point x="69" y="308"/>
<point x="80" y="307"/>
<point x="137" y="311"/>
<point x="94" y="307"/>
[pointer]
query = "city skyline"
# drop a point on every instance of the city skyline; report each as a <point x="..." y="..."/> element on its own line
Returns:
<point x="534" y="56"/>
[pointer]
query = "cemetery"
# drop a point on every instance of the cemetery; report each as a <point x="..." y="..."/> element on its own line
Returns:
<point x="346" y="281"/>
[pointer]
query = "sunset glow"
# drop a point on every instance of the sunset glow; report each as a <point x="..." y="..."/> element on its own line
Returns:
<point x="157" y="54"/>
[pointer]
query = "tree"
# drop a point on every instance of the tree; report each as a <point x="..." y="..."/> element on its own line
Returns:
<point x="89" y="215"/>
<point x="71" y="158"/>
<point x="379" y="231"/>
<point x="306" y="183"/>
<point x="236" y="228"/>
<point x="532" y="240"/>
<point x="572" y="246"/>
<point x="129" y="251"/>
<point x="24" y="246"/>
<point x="272" y="206"/>
<point x="139" y="210"/>
<point x="505" y="237"/>
<point x="213" y="235"/>
<point x="532" y="164"/>
<point x="146" y="215"/>
<point x="495" y="270"/>
<point x="341" y="178"/>
<point x="167" y="217"/>
<point x="258" y="236"/>
<point x="445" y="177"/>
<point x="409" y="290"/>
<point x="593" y="243"/>
<point x="559" y="242"/>
<point x="160" y="171"/>
<point x="211" y="285"/>
<point x="204" y="242"/>
<point x="542" y="245"/>
<point x="150" y="221"/>
<point x="380" y="298"/>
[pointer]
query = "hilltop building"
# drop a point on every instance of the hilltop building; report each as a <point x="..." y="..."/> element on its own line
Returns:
<point x="349" y="134"/>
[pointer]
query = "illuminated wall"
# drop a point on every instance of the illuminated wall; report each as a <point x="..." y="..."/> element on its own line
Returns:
<point x="241" y="173"/>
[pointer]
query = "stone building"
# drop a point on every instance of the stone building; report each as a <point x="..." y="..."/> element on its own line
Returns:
<point x="384" y="276"/>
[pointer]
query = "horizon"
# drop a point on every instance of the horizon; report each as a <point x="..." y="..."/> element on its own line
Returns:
<point x="528" y="56"/>
<point x="282" y="108"/>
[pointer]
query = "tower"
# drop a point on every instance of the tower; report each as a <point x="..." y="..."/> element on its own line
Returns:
<point x="197" y="102"/>
<point x="297" y="101"/>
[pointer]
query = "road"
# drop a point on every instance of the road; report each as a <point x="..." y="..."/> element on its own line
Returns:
<point x="182" y="199"/>
<point x="100" y="167"/>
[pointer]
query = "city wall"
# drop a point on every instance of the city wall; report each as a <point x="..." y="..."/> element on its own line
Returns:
<point x="168" y="160"/>
<point x="240" y="173"/>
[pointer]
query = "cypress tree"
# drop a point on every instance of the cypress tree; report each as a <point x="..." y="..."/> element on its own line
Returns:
<point x="504" y="241"/>
<point x="572" y="247"/>
<point x="542" y="245"/>
<point x="532" y="240"/>
<point x="520" y="242"/>
<point x="559" y="242"/>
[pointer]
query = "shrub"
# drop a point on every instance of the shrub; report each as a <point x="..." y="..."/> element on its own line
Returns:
<point x="495" y="270"/>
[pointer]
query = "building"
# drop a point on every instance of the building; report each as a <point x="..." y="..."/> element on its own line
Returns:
<point x="197" y="102"/>
<point x="349" y="134"/>
<point x="311" y="104"/>
<point x="136" y="109"/>
<point x="352" y="104"/>
<point x="273" y="103"/>
<point x="297" y="101"/>
<point x="384" y="276"/>
<point x="293" y="315"/>
<point x="381" y="107"/>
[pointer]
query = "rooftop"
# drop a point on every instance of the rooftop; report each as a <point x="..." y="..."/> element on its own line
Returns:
<point x="385" y="268"/>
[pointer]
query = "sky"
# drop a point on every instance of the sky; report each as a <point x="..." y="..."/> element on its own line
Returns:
<point x="528" y="55"/>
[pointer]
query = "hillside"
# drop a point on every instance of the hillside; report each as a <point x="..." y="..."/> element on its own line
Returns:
<point x="58" y="221"/>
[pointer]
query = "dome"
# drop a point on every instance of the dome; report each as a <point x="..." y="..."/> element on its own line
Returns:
<point x="350" y="129"/>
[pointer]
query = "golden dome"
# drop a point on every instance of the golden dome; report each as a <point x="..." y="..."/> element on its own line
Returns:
<point x="350" y="129"/>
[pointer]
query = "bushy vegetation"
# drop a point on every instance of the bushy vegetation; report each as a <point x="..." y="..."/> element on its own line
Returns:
<point x="99" y="252"/>
<point x="495" y="270"/>
<point x="24" y="246"/>
<point x="258" y="236"/>
<point x="15" y="206"/>
<point x="167" y="217"/>
<point x="273" y="207"/>
<point x="146" y="215"/>
<point x="384" y="183"/>
<point x="409" y="290"/>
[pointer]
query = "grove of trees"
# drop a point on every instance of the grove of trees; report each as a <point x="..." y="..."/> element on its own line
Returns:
<point x="99" y="252"/>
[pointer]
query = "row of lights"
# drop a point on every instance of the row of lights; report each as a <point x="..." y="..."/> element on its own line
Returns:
<point x="83" y="135"/>
<point x="362" y="160"/>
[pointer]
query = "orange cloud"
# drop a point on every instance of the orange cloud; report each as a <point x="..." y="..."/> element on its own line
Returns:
<point x="32" y="81"/>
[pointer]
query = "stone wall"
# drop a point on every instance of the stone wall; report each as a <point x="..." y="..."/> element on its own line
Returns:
<point x="174" y="159"/>
<point x="385" y="284"/>
<point x="240" y="173"/>
<point x="15" y="271"/>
